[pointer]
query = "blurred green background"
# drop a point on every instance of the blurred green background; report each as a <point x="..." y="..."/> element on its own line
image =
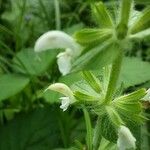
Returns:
<point x="29" y="118"/>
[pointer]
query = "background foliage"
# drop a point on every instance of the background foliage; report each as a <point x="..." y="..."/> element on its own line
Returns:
<point x="29" y="118"/>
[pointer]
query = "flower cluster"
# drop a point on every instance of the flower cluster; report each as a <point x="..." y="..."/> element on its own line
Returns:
<point x="100" y="95"/>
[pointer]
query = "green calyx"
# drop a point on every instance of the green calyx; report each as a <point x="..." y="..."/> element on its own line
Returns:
<point x="123" y="26"/>
<point x="119" y="107"/>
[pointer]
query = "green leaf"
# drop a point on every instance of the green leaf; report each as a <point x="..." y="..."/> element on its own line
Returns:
<point x="142" y="23"/>
<point x="11" y="84"/>
<point x="140" y="35"/>
<point x="102" y="15"/>
<point x="114" y="116"/>
<point x="85" y="90"/>
<point x="84" y="97"/>
<point x="97" y="57"/>
<point x="105" y="144"/>
<point x="108" y="130"/>
<point x="92" y="81"/>
<point x="72" y="29"/>
<point x="92" y="36"/>
<point x="37" y="130"/>
<point x="145" y="2"/>
<point x="31" y="63"/>
<point x="132" y="97"/>
<point x="134" y="71"/>
<point x="129" y="108"/>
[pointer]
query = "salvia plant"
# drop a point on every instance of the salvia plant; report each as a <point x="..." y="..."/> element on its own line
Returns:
<point x="117" y="113"/>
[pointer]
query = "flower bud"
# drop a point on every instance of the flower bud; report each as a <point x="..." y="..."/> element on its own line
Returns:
<point x="61" y="88"/>
<point x="125" y="139"/>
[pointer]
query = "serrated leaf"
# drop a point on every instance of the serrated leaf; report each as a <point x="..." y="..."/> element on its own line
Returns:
<point x="11" y="84"/>
<point x="92" y="36"/>
<point x="92" y="81"/>
<point x="102" y="15"/>
<point x="142" y="23"/>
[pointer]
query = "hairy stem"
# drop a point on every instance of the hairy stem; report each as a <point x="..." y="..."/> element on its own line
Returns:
<point x="114" y="76"/>
<point x="88" y="128"/>
<point x="97" y="135"/>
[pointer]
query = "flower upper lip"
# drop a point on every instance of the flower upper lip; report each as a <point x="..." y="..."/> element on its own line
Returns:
<point x="58" y="39"/>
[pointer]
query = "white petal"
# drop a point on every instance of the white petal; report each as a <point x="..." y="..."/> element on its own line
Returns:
<point x="61" y="88"/>
<point x="64" y="62"/>
<point x="125" y="139"/>
<point x="147" y="96"/>
<point x="55" y="39"/>
<point x="65" y="102"/>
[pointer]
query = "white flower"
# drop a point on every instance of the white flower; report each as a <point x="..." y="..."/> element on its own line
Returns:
<point x="125" y="139"/>
<point x="58" y="39"/>
<point x="65" y="90"/>
<point x="65" y="102"/>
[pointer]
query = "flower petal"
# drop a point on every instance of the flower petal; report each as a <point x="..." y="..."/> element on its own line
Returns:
<point x="64" y="62"/>
<point x="65" y="102"/>
<point x="147" y="96"/>
<point x="61" y="88"/>
<point x="125" y="139"/>
<point x="55" y="39"/>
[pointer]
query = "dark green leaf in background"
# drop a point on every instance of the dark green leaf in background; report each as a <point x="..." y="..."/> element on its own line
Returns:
<point x="31" y="63"/>
<point x="11" y="84"/>
<point x="37" y="130"/>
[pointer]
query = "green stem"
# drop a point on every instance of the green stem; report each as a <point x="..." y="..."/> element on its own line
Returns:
<point x="19" y="26"/>
<point x="114" y="76"/>
<point x="88" y="128"/>
<point x="97" y="135"/>
<point x="46" y="14"/>
<point x="57" y="15"/>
